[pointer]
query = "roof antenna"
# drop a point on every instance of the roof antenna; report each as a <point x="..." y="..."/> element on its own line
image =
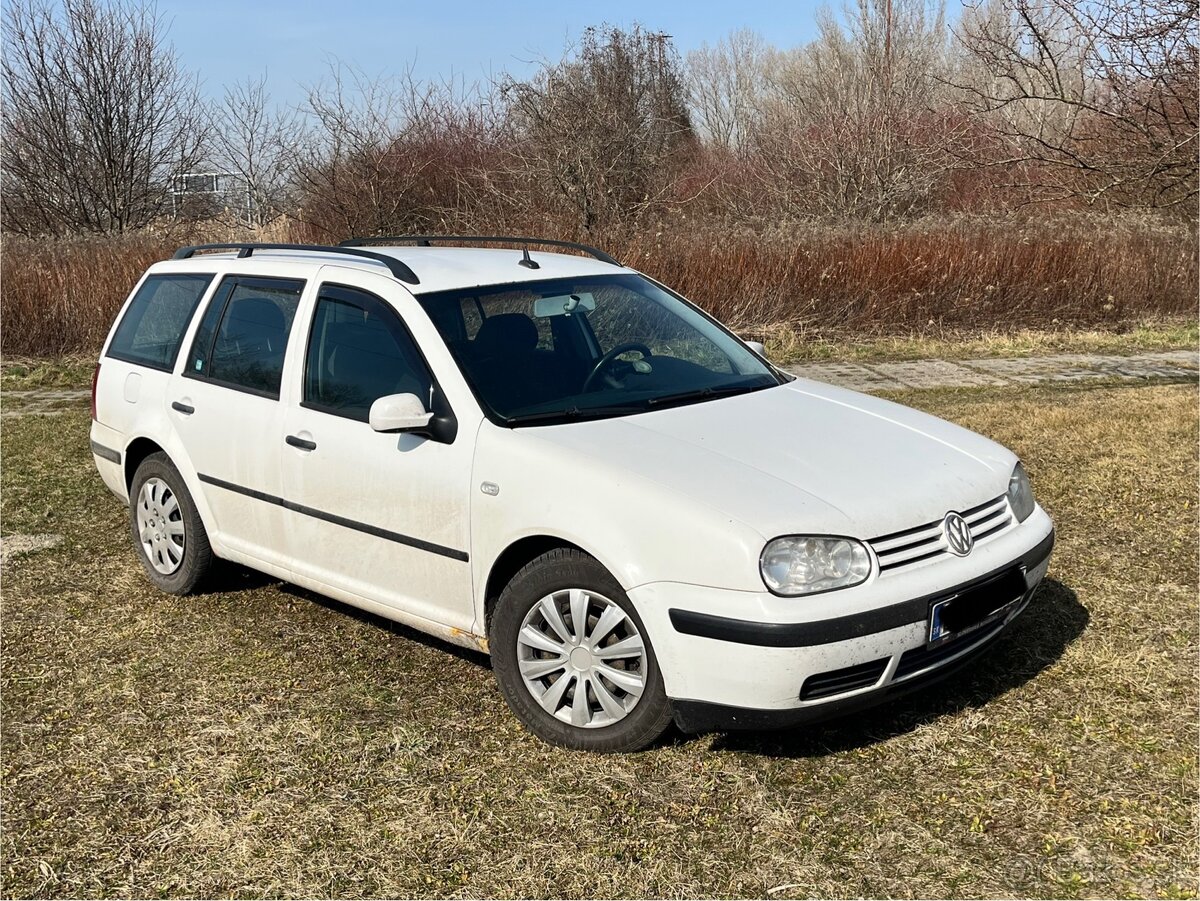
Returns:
<point x="526" y="261"/>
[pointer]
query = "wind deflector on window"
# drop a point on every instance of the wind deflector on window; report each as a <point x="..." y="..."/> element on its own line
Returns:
<point x="398" y="268"/>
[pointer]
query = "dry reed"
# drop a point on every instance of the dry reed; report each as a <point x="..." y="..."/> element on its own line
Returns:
<point x="959" y="276"/>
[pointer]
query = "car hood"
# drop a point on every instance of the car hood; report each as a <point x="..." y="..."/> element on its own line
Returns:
<point x="801" y="457"/>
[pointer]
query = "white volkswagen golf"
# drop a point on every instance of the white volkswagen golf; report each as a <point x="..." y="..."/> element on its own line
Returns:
<point x="556" y="460"/>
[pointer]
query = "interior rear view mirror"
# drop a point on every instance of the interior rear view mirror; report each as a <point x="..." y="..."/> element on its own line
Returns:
<point x="545" y="307"/>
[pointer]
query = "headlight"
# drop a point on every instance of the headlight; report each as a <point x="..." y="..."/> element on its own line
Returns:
<point x="804" y="564"/>
<point x="1020" y="494"/>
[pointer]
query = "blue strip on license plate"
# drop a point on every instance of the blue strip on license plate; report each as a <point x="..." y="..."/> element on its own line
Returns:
<point x="938" y="632"/>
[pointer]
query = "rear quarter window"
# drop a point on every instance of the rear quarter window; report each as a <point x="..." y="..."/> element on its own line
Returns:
<point x="150" y="332"/>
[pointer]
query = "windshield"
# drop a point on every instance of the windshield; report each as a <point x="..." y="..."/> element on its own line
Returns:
<point x="568" y="349"/>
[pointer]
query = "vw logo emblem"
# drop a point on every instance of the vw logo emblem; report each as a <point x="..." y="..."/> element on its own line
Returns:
<point x="958" y="534"/>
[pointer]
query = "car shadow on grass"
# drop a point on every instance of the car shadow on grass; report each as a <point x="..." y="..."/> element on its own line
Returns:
<point x="1053" y="620"/>
<point x="388" y="625"/>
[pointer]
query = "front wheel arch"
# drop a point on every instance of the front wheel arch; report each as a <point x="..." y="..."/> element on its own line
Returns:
<point x="511" y="561"/>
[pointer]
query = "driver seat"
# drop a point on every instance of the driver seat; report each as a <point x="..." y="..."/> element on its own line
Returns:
<point x="506" y="357"/>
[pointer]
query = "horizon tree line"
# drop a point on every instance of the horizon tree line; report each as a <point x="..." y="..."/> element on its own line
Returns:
<point x="888" y="115"/>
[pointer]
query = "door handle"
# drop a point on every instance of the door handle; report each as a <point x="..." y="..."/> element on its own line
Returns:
<point x="185" y="409"/>
<point x="302" y="443"/>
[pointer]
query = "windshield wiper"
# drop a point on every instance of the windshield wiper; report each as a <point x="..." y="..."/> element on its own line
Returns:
<point x="574" y="414"/>
<point x="703" y="394"/>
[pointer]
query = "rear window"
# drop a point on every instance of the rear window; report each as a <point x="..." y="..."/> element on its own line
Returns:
<point x="152" y="329"/>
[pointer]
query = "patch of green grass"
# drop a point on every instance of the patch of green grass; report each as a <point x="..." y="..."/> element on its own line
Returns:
<point x="257" y="740"/>
<point x="787" y="346"/>
<point x="31" y="373"/>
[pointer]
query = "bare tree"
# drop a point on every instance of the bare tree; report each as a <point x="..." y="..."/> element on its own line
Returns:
<point x="853" y="124"/>
<point x="1092" y="100"/>
<point x="602" y="132"/>
<point x="98" y="116"/>
<point x="725" y="82"/>
<point x="253" y="141"/>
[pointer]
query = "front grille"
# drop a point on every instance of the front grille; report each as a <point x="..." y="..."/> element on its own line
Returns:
<point x="926" y="542"/>
<point x="837" y="681"/>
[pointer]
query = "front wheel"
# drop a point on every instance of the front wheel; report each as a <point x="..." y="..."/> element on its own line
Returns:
<point x="573" y="659"/>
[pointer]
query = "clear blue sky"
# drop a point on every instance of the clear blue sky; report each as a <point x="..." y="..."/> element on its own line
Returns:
<point x="225" y="41"/>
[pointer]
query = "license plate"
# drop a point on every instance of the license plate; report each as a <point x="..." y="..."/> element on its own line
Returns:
<point x="975" y="607"/>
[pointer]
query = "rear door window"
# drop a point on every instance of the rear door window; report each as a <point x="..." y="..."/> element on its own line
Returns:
<point x="152" y="328"/>
<point x="243" y="337"/>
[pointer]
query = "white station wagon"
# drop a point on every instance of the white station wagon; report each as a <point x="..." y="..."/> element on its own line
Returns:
<point x="556" y="460"/>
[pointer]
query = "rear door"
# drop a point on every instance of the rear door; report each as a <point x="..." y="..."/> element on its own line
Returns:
<point x="227" y="407"/>
<point x="383" y="516"/>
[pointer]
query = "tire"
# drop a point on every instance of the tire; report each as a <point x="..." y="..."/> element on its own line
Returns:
<point x="623" y="706"/>
<point x="158" y="497"/>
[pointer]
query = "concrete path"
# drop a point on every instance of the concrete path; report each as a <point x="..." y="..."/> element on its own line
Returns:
<point x="1173" y="365"/>
<point x="44" y="402"/>
<point x="1170" y="365"/>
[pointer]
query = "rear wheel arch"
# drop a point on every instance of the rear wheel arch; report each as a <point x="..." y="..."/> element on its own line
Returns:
<point x="168" y="534"/>
<point x="137" y="451"/>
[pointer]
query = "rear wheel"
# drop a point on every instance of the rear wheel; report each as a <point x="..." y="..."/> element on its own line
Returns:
<point x="573" y="659"/>
<point x="167" y="532"/>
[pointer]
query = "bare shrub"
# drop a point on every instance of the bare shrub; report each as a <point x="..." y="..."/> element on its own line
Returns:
<point x="726" y="85"/>
<point x="853" y="124"/>
<point x="391" y="155"/>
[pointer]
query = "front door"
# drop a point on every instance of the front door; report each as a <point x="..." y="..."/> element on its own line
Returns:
<point x="383" y="516"/>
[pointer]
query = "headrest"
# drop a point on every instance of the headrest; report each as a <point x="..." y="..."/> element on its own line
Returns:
<point x="507" y="332"/>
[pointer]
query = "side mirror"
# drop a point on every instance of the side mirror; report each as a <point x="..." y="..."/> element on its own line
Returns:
<point x="757" y="347"/>
<point x="399" y="413"/>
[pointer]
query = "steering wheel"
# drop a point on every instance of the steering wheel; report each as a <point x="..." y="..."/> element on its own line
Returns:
<point x="607" y="360"/>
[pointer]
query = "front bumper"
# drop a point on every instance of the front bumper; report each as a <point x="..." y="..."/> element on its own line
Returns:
<point x="701" y="716"/>
<point x="724" y="672"/>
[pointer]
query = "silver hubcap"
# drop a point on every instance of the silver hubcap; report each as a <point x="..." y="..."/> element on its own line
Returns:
<point x="582" y="658"/>
<point x="160" y="526"/>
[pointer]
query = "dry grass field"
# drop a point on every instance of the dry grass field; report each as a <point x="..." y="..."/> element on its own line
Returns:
<point x="258" y="740"/>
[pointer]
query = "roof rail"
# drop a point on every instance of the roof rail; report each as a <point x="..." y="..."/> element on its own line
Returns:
<point x="398" y="268"/>
<point x="424" y="241"/>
